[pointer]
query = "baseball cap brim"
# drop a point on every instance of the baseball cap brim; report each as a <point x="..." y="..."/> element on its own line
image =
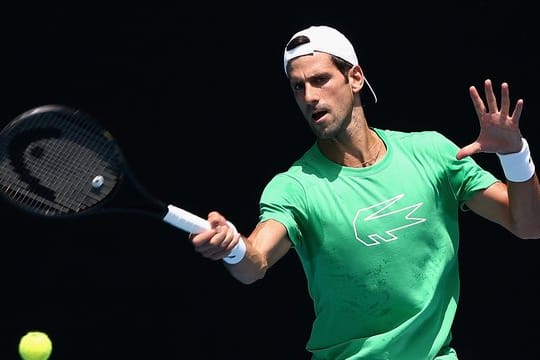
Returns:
<point x="328" y="40"/>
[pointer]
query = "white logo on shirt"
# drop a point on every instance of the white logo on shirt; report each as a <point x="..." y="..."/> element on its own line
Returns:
<point x="381" y="210"/>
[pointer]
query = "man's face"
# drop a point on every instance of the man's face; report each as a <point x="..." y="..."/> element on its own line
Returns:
<point x="324" y="95"/>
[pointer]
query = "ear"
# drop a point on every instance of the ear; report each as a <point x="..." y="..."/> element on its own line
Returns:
<point x="356" y="78"/>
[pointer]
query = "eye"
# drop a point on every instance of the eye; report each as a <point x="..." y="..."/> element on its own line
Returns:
<point x="298" y="86"/>
<point x="319" y="80"/>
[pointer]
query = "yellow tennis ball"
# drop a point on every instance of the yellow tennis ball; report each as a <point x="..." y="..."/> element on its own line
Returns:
<point x="35" y="345"/>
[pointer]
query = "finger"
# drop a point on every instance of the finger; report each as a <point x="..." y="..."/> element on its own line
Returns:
<point x="225" y="248"/>
<point x="217" y="238"/>
<point x="202" y="240"/>
<point x="219" y="246"/>
<point x="468" y="150"/>
<point x="215" y="219"/>
<point x="516" y="115"/>
<point x="490" y="97"/>
<point x="505" y="101"/>
<point x="479" y="107"/>
<point x="221" y="241"/>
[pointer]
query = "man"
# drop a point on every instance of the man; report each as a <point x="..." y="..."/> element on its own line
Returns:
<point x="373" y="214"/>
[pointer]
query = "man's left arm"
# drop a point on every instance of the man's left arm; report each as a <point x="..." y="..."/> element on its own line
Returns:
<point x="516" y="203"/>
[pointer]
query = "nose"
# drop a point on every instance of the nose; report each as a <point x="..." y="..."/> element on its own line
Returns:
<point x="310" y="94"/>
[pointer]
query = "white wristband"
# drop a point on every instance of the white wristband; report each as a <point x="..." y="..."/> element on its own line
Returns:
<point x="237" y="253"/>
<point x="518" y="167"/>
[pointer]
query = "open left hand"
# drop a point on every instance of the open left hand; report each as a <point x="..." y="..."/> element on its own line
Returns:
<point x="499" y="129"/>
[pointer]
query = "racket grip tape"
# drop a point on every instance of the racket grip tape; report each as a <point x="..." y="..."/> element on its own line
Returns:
<point x="185" y="220"/>
<point x="192" y="223"/>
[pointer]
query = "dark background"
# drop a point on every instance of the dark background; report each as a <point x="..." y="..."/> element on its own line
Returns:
<point x="197" y="97"/>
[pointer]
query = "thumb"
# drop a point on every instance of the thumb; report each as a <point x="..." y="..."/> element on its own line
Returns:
<point x="468" y="150"/>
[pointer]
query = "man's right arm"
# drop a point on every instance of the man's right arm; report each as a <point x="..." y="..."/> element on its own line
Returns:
<point x="267" y="243"/>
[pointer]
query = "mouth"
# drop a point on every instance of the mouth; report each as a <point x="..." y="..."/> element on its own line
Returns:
<point x="316" y="116"/>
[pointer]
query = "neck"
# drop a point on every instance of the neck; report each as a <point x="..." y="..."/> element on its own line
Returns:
<point x="362" y="150"/>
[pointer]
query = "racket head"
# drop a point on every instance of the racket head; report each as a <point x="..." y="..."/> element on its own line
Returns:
<point x="56" y="161"/>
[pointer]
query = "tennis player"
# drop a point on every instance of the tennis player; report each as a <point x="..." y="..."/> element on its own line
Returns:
<point x="373" y="213"/>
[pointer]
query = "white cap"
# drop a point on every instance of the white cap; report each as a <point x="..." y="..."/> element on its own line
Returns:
<point x="324" y="39"/>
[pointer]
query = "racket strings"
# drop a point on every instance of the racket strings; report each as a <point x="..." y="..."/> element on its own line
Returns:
<point x="24" y="192"/>
<point x="66" y="165"/>
<point x="41" y="169"/>
<point x="81" y="165"/>
<point x="72" y="174"/>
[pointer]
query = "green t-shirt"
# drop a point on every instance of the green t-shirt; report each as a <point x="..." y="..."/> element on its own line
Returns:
<point x="379" y="245"/>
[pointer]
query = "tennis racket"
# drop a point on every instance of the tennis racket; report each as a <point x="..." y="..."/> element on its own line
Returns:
<point x="60" y="162"/>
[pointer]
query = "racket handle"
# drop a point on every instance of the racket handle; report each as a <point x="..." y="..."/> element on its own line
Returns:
<point x="194" y="224"/>
<point x="185" y="220"/>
